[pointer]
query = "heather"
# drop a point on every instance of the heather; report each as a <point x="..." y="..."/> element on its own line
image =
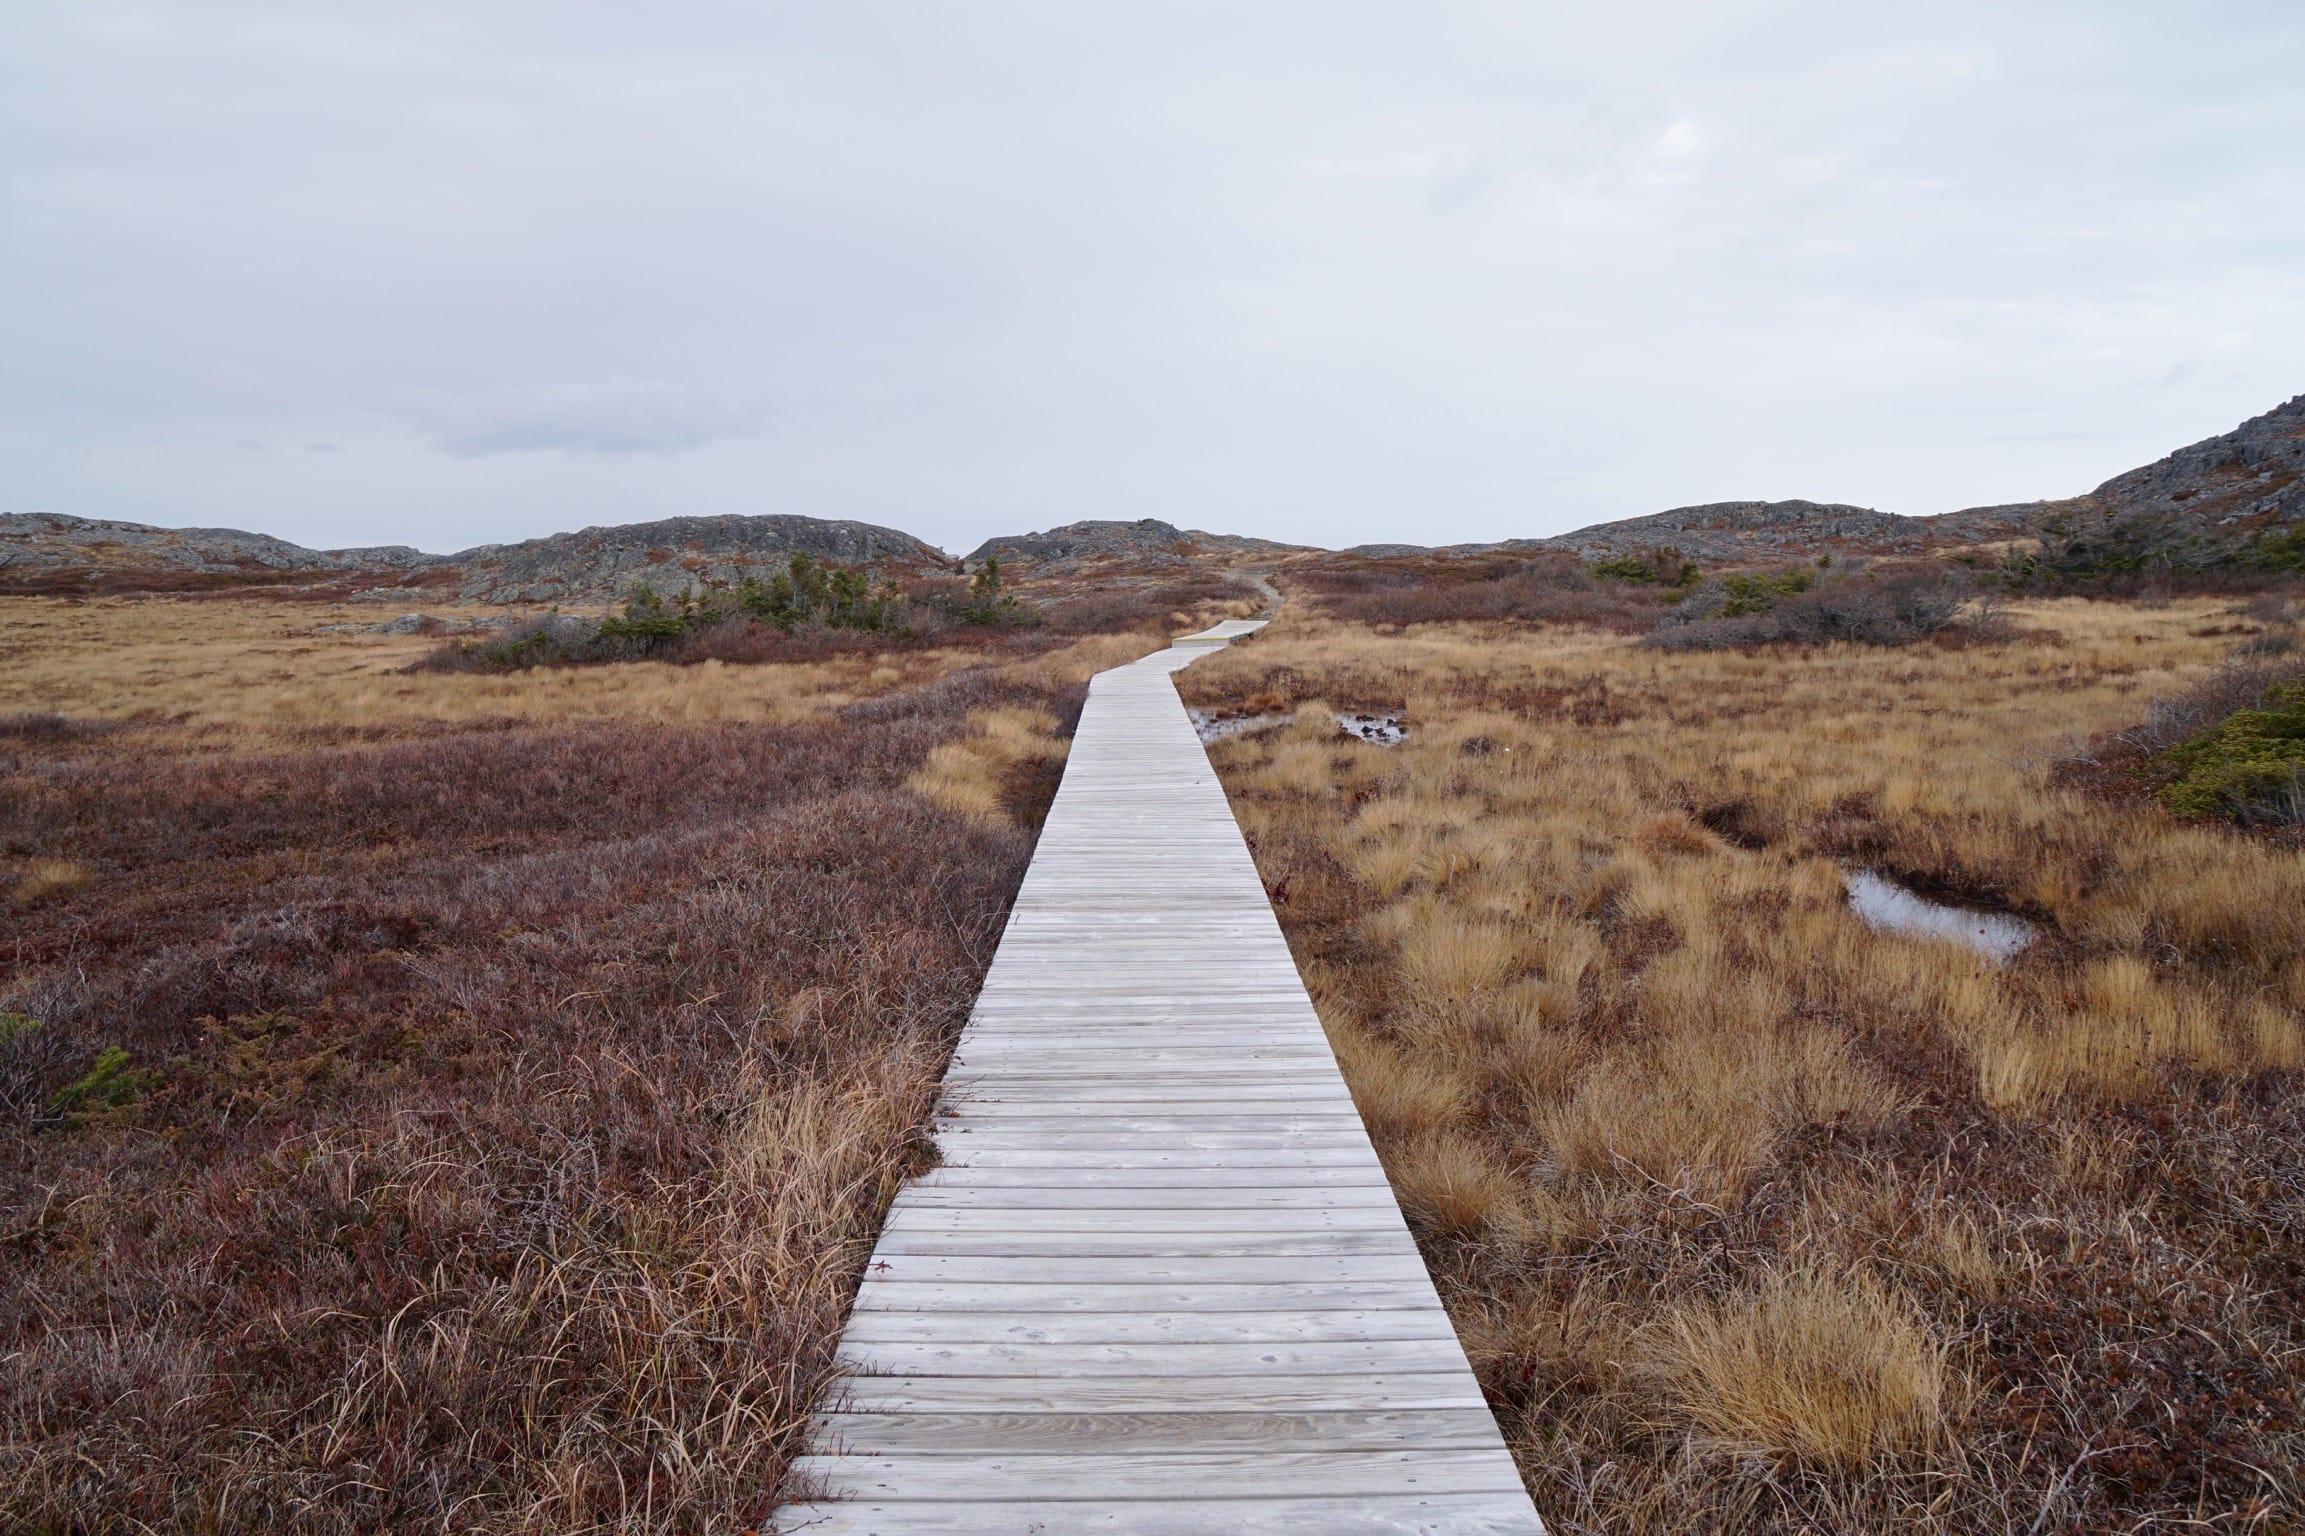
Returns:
<point x="465" y="1124"/>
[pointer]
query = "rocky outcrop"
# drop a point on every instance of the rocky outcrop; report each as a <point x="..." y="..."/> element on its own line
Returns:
<point x="2214" y="501"/>
<point x="675" y="556"/>
<point x="53" y="552"/>
<point x="1742" y="531"/>
<point x="54" y="543"/>
<point x="2197" y="506"/>
<point x="2235" y="499"/>
<point x="2251" y="478"/>
<point x="1145" y="538"/>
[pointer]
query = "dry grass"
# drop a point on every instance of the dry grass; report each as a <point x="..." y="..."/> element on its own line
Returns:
<point x="42" y="879"/>
<point x="1754" y="1218"/>
<point x="1827" y="1370"/>
<point x="977" y="775"/>
<point x="246" y="663"/>
<point x="503" y="1094"/>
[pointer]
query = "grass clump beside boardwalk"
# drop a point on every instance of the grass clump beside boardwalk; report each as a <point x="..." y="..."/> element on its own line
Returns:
<point x="1751" y="1218"/>
<point x="469" y="1121"/>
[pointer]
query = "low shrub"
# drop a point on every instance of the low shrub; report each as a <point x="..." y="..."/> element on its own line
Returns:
<point x="984" y="604"/>
<point x="557" y="640"/>
<point x="805" y="591"/>
<point x="1795" y="606"/>
<point x="1439" y="589"/>
<point x="2115" y="556"/>
<point x="807" y="594"/>
<point x="47" y="725"/>
<point x="1662" y="566"/>
<point x="1098" y="604"/>
<point x="481" y="1130"/>
<point x="2249" y="767"/>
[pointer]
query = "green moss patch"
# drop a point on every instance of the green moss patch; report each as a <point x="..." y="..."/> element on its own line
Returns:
<point x="2248" y="768"/>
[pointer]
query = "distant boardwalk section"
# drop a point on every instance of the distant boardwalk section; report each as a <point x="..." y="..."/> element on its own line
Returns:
<point x="1160" y="1286"/>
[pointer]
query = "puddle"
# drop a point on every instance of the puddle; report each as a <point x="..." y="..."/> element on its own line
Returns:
<point x="1888" y="907"/>
<point x="1214" y="727"/>
<point x="1382" y="730"/>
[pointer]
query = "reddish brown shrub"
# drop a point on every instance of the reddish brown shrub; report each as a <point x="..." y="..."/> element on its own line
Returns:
<point x="1429" y="589"/>
<point x="498" y="1123"/>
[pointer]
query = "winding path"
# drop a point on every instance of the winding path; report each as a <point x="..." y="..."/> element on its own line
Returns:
<point x="1160" y="1286"/>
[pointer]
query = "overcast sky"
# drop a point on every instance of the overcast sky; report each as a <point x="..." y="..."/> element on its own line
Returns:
<point x="439" y="273"/>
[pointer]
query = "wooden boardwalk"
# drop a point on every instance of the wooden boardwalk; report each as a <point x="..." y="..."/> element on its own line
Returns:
<point x="1159" y="1286"/>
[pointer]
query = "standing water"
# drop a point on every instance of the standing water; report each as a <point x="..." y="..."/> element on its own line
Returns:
<point x="1888" y="907"/>
<point x="1215" y="727"/>
<point x="1382" y="730"/>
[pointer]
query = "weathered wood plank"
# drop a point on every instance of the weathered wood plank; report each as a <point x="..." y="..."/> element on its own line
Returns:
<point x="1144" y="1245"/>
<point x="1297" y="1219"/>
<point x="1308" y="1324"/>
<point x="1316" y="1357"/>
<point x="1174" y="1193"/>
<point x="1092" y="1269"/>
<point x="1164" y="1393"/>
<point x="975" y="1153"/>
<point x="1111" y="1475"/>
<point x="966" y="1434"/>
<point x="1120" y="1298"/>
<point x="1273" y="1178"/>
<point x="1423" y="1514"/>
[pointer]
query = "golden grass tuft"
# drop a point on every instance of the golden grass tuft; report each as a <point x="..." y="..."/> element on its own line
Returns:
<point x="1449" y="1183"/>
<point x="1830" y="1371"/>
<point x="1394" y="1090"/>
<point x="1698" y="1113"/>
<point x="1674" y="832"/>
<point x="972" y="776"/>
<point x="1449" y="953"/>
<point x="46" y="879"/>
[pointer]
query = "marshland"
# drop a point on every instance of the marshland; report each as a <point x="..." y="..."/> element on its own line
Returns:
<point x="457" y="1094"/>
<point x="463" y="1099"/>
<point x="1753" y="1217"/>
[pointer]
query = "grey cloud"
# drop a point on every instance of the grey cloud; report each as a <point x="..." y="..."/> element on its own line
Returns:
<point x="1323" y="270"/>
<point x="606" y="418"/>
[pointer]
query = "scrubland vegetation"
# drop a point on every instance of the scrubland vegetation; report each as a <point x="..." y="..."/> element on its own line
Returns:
<point x="1753" y="1218"/>
<point x="439" y="1101"/>
<point x="1547" y="586"/>
<point x="460" y="1096"/>
<point x="811" y="611"/>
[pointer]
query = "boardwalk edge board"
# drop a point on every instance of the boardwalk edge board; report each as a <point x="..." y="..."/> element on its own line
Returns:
<point x="1159" y="1285"/>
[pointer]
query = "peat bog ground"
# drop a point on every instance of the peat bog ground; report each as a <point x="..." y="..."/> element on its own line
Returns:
<point x="464" y="1103"/>
<point x="1752" y="1218"/>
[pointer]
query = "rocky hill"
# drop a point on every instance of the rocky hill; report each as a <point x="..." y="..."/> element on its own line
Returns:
<point x="2219" y="499"/>
<point x="2250" y="479"/>
<point x="1077" y="543"/>
<point x="676" y="555"/>
<point x="52" y="552"/>
<point x="2236" y="497"/>
<point x="1740" y="531"/>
